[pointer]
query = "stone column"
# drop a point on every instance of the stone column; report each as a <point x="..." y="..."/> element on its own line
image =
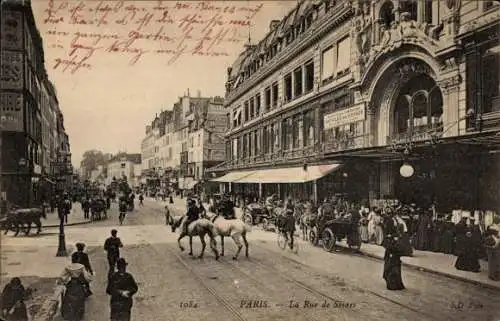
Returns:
<point x="371" y="125"/>
<point x="318" y="128"/>
<point x="451" y="106"/>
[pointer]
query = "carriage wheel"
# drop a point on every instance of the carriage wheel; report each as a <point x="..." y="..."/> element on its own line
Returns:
<point x="265" y="223"/>
<point x="328" y="239"/>
<point x="247" y="218"/>
<point x="282" y="242"/>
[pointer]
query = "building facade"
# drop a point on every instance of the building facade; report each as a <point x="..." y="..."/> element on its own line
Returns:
<point x="123" y="165"/>
<point x="379" y="99"/>
<point x="181" y="143"/>
<point x="29" y="109"/>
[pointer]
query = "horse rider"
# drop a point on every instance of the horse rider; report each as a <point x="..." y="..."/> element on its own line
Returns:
<point x="83" y="258"/>
<point x="201" y="209"/>
<point x="227" y="208"/>
<point x="191" y="215"/>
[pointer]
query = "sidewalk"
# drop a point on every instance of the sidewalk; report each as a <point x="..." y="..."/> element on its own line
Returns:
<point x="432" y="262"/>
<point x="74" y="218"/>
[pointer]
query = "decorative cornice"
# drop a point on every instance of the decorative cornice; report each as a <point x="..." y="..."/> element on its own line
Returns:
<point x="309" y="38"/>
<point x="450" y="83"/>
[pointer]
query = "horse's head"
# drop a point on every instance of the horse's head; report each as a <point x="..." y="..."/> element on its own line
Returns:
<point x="175" y="223"/>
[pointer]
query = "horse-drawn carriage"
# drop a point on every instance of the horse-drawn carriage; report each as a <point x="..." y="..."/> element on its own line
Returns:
<point x="98" y="209"/>
<point x="331" y="230"/>
<point x="255" y="213"/>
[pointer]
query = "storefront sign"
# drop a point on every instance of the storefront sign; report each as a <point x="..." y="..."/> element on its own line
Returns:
<point x="344" y="116"/>
<point x="11" y="113"/>
<point x="11" y="75"/>
<point x="12" y="27"/>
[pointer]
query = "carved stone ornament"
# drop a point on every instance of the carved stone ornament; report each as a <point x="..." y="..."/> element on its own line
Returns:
<point x="449" y="64"/>
<point x="403" y="32"/>
<point x="450" y="83"/>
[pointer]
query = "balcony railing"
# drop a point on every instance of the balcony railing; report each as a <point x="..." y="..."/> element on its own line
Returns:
<point x="491" y="120"/>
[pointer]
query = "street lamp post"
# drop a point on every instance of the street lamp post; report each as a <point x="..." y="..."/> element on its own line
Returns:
<point x="61" y="207"/>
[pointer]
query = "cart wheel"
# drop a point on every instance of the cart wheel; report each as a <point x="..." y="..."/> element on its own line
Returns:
<point x="328" y="239"/>
<point x="248" y="219"/>
<point x="265" y="223"/>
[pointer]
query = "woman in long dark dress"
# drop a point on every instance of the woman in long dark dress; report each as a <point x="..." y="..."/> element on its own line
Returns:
<point x="392" y="256"/>
<point x="468" y="254"/>
<point x="13" y="296"/>
<point x="447" y="240"/>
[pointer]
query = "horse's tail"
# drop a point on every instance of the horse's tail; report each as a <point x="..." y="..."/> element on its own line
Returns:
<point x="212" y="230"/>
<point x="247" y="228"/>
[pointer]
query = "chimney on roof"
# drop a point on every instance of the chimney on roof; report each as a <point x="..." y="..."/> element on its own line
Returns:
<point x="274" y="24"/>
<point x="188" y="93"/>
<point x="199" y="94"/>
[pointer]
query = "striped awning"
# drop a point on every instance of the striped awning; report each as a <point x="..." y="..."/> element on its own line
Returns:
<point x="289" y="174"/>
<point x="232" y="176"/>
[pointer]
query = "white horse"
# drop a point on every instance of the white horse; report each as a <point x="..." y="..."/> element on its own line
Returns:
<point x="236" y="229"/>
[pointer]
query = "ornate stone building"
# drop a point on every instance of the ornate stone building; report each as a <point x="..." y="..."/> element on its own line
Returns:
<point x="340" y="94"/>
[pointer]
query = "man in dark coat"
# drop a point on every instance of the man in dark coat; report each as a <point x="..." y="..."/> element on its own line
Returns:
<point x="112" y="246"/>
<point x="64" y="207"/>
<point x="121" y="287"/>
<point x="81" y="257"/>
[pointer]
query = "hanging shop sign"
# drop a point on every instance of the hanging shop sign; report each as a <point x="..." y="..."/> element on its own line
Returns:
<point x="345" y="116"/>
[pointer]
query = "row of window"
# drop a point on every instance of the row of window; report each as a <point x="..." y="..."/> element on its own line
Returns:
<point x="292" y="133"/>
<point x="293" y="33"/>
<point x="335" y="62"/>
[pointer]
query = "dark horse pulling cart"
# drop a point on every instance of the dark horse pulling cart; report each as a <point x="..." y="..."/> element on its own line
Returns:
<point x="330" y="230"/>
<point x="18" y="218"/>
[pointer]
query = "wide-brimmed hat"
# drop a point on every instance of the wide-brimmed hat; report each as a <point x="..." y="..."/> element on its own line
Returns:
<point x="80" y="246"/>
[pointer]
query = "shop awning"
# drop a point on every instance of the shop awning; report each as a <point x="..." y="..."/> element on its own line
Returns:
<point x="289" y="175"/>
<point x="189" y="184"/>
<point x="232" y="176"/>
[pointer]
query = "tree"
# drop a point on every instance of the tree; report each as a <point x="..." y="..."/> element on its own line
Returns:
<point x="92" y="159"/>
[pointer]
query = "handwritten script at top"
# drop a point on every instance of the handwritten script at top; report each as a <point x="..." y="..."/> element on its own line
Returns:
<point x="84" y="29"/>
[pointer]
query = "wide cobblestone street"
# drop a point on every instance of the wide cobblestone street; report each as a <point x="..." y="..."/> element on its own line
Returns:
<point x="270" y="285"/>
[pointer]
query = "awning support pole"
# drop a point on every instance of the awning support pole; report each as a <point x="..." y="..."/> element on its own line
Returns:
<point x="315" y="192"/>
<point x="279" y="191"/>
<point x="230" y="187"/>
<point x="260" y="190"/>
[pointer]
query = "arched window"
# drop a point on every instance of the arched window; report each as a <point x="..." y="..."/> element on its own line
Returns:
<point x="419" y="106"/>
<point x="387" y="13"/>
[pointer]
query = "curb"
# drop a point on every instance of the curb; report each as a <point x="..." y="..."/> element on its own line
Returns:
<point x="444" y="274"/>
<point x="68" y="224"/>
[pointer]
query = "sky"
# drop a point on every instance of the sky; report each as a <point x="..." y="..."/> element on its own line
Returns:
<point x="115" y="64"/>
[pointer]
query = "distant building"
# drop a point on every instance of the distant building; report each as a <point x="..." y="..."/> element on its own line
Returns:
<point x="180" y="144"/>
<point x="123" y="165"/>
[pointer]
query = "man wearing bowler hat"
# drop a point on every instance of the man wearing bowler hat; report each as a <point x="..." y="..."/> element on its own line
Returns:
<point x="121" y="287"/>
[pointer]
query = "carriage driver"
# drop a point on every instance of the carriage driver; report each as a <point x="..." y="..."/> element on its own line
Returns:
<point x="271" y="203"/>
<point x="191" y="215"/>
<point x="228" y="208"/>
